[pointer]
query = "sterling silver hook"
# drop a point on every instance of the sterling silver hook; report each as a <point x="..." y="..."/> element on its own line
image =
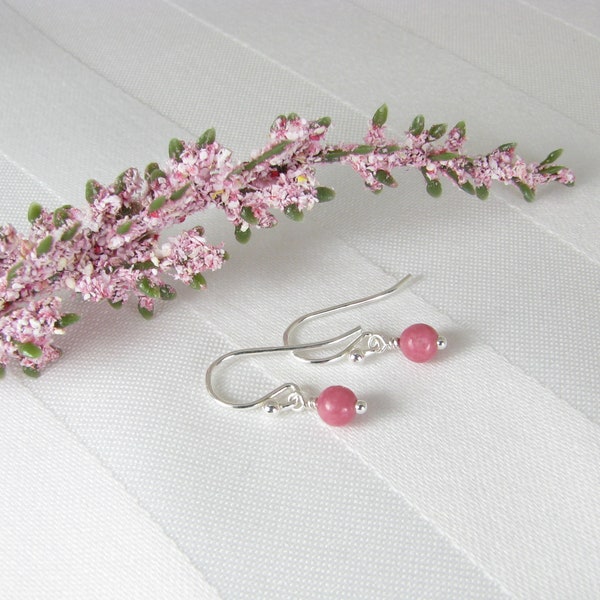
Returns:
<point x="362" y="343"/>
<point x="287" y="395"/>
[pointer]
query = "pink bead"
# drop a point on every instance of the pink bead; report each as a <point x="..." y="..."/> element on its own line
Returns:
<point x="336" y="405"/>
<point x="419" y="342"/>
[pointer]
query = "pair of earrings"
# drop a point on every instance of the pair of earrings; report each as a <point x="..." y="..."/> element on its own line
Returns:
<point x="337" y="404"/>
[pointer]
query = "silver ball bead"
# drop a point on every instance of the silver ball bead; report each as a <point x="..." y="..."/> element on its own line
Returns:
<point x="356" y="356"/>
<point x="271" y="407"/>
<point x="360" y="407"/>
<point x="442" y="342"/>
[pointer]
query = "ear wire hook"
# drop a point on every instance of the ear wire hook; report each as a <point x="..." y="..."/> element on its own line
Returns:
<point x="286" y="396"/>
<point x="362" y="344"/>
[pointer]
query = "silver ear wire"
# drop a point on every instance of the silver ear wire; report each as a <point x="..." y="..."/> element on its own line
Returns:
<point x="362" y="343"/>
<point x="286" y="396"/>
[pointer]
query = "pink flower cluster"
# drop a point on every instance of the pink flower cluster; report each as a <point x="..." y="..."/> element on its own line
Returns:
<point x="112" y="249"/>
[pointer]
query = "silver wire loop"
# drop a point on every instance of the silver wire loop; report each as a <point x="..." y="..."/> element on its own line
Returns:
<point x="362" y="343"/>
<point x="286" y="396"/>
<point x="368" y="343"/>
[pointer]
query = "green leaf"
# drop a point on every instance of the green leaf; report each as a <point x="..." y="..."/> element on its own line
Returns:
<point x="527" y="192"/>
<point x="467" y="186"/>
<point x="293" y="212"/>
<point x="35" y="210"/>
<point x="434" y="188"/>
<point x="437" y="131"/>
<point x="28" y="349"/>
<point x="123" y="228"/>
<point x="324" y="121"/>
<point x="147" y="314"/>
<point x="167" y="292"/>
<point x="67" y="319"/>
<point x="417" y="125"/>
<point x="270" y="153"/>
<point x="31" y="372"/>
<point x="385" y="178"/>
<point x="226" y="255"/>
<point x="380" y="116"/>
<point x="325" y="194"/>
<point x="452" y="174"/>
<point x="178" y="194"/>
<point x="143" y="266"/>
<point x="175" y="148"/>
<point x="248" y="216"/>
<point x="119" y="184"/>
<point x="156" y="174"/>
<point x="2" y="371"/>
<point x="443" y="156"/>
<point x="462" y="128"/>
<point x="69" y="234"/>
<point x="44" y="246"/>
<point x="552" y="169"/>
<point x="12" y="272"/>
<point x="116" y="305"/>
<point x="208" y="137"/>
<point x="60" y="215"/>
<point x="198" y="281"/>
<point x="293" y="116"/>
<point x="148" y="288"/>
<point x="242" y="235"/>
<point x="553" y="156"/>
<point x="334" y="155"/>
<point x="157" y="203"/>
<point x="92" y="187"/>
<point x="507" y="147"/>
<point x="363" y="149"/>
<point x="482" y="192"/>
<point x="149" y="168"/>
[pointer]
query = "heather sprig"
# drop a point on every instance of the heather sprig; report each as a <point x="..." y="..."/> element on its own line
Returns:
<point x="111" y="249"/>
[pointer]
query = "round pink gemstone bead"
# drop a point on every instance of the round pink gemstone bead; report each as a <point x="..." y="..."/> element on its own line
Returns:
<point x="336" y="405"/>
<point x="419" y="342"/>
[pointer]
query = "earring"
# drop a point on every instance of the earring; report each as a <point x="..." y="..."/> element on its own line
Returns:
<point x="419" y="342"/>
<point x="336" y="405"/>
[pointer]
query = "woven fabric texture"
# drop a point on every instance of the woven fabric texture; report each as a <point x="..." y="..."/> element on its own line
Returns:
<point x="474" y="476"/>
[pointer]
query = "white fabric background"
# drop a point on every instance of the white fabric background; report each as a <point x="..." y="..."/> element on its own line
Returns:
<point x="476" y="476"/>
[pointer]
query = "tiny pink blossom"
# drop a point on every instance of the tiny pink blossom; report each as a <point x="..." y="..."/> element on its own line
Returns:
<point x="189" y="254"/>
<point x="112" y="249"/>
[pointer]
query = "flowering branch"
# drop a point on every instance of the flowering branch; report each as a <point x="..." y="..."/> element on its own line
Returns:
<point x="111" y="249"/>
